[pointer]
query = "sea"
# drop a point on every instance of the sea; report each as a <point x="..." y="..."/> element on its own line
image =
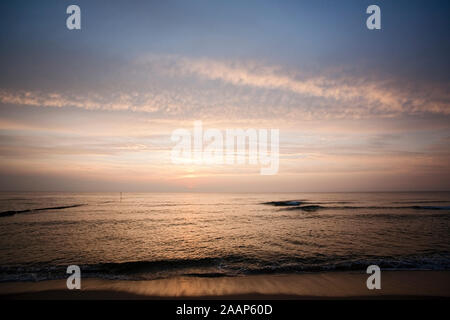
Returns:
<point x="137" y="236"/>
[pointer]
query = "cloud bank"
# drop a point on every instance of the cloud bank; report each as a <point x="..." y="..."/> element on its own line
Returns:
<point x="174" y="86"/>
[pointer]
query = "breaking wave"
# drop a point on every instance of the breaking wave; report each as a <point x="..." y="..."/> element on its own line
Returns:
<point x="12" y="212"/>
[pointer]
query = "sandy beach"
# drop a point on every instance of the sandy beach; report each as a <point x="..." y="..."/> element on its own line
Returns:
<point x="328" y="285"/>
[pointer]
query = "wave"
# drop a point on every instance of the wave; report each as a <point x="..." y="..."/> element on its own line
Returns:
<point x="310" y="208"/>
<point x="284" y="203"/>
<point x="305" y="205"/>
<point x="422" y="201"/>
<point x="319" y="207"/>
<point x="226" y="266"/>
<point x="432" y="207"/>
<point x="12" y="212"/>
<point x="132" y="270"/>
<point x="387" y="216"/>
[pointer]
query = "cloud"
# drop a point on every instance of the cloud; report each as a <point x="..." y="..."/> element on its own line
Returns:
<point x="118" y="102"/>
<point x="382" y="96"/>
<point x="181" y="87"/>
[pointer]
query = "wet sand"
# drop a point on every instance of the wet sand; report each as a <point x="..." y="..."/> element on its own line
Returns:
<point x="327" y="285"/>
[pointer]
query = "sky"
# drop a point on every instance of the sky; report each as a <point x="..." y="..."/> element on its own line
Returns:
<point x="94" y="109"/>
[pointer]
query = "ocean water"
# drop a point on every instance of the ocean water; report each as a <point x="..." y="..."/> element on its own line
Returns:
<point x="159" y="235"/>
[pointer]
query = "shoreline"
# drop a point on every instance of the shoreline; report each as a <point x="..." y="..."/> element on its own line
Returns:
<point x="323" y="285"/>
